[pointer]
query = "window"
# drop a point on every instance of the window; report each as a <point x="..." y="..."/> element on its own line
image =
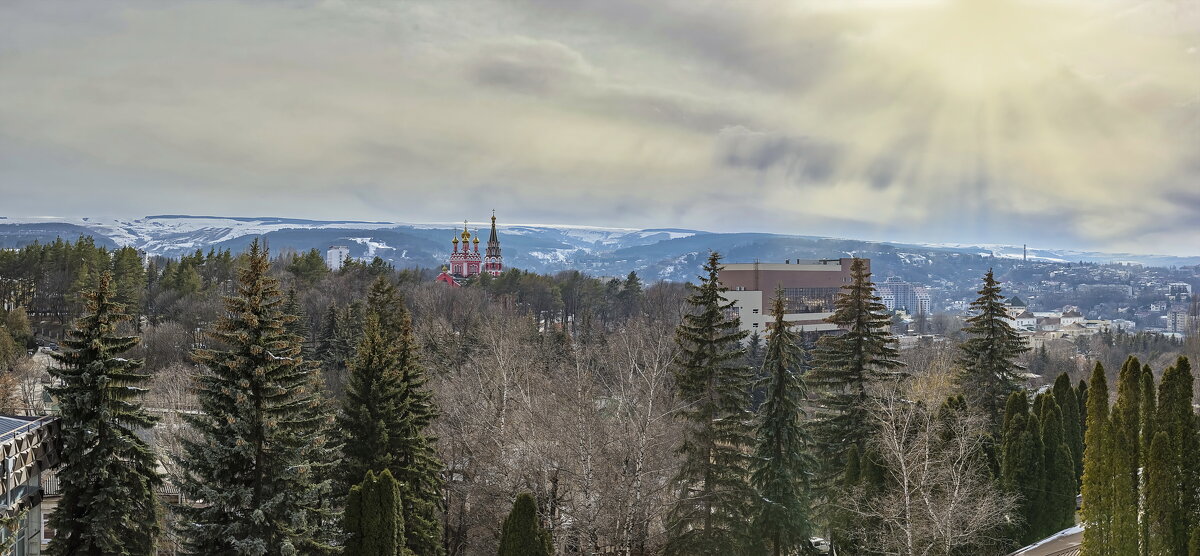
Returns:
<point x="755" y="311"/>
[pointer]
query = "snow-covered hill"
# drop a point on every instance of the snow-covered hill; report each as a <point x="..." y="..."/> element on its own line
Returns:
<point x="674" y="254"/>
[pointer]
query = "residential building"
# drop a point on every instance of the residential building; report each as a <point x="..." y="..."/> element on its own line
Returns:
<point x="898" y="295"/>
<point x="809" y="289"/>
<point x="336" y="256"/>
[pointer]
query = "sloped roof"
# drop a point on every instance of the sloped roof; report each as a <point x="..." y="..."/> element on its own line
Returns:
<point x="1016" y="301"/>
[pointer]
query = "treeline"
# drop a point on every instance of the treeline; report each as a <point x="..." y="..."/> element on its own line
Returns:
<point x="373" y="411"/>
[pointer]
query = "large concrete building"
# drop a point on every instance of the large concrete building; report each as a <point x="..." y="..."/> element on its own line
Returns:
<point x="29" y="445"/>
<point x="809" y="289"/>
<point x="898" y="295"/>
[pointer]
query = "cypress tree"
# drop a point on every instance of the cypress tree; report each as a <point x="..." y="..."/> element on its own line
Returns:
<point x="1072" y="429"/>
<point x="258" y="461"/>
<point x="715" y="500"/>
<point x="522" y="534"/>
<point x="1126" y="426"/>
<point x="989" y="356"/>
<point x="782" y="464"/>
<point x="1122" y="497"/>
<point x="1081" y="396"/>
<point x="386" y="415"/>
<point x="1162" y="486"/>
<point x="1058" y="506"/>
<point x="1176" y="419"/>
<point x="1022" y="471"/>
<point x="108" y="474"/>
<point x="374" y="521"/>
<point x="1097" y="478"/>
<point x="845" y="365"/>
<point x="1147" y="436"/>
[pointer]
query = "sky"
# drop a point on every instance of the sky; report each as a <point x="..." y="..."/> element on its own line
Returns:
<point x="1057" y="123"/>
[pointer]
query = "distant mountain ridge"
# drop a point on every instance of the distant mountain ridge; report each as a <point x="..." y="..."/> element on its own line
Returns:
<point x="655" y="253"/>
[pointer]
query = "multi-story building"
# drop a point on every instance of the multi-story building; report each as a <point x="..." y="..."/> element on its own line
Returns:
<point x="898" y="295"/>
<point x="335" y="257"/>
<point x="30" y="446"/>
<point x="809" y="288"/>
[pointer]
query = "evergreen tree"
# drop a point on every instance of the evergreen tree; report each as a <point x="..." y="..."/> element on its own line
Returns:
<point x="298" y="326"/>
<point x="1147" y="436"/>
<point x="844" y="365"/>
<point x="1123" y="453"/>
<point x="386" y="415"/>
<point x="374" y="519"/>
<point x="1058" y="511"/>
<point x="1162" y="486"/>
<point x="1123" y="495"/>
<point x="715" y="500"/>
<point x="1021" y="468"/>
<point x="1176" y="419"/>
<point x="108" y="474"/>
<point x="1097" y="471"/>
<point x="1072" y="429"/>
<point x="522" y="534"/>
<point x="257" y="462"/>
<point x="782" y="463"/>
<point x="989" y="356"/>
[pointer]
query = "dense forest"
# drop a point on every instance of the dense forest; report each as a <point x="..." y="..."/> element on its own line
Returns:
<point x="374" y="411"/>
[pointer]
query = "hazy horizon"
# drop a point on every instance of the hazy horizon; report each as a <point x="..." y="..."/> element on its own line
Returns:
<point x="1064" y="123"/>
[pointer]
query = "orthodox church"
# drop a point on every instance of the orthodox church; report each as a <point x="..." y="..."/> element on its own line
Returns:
<point x="465" y="260"/>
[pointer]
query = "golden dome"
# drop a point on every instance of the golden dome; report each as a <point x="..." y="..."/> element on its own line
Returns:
<point x="455" y="240"/>
<point x="476" y="239"/>
<point x="466" y="235"/>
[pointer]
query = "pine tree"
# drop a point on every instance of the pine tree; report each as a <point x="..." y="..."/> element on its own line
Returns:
<point x="845" y="365"/>
<point x="522" y="534"/>
<point x="1162" y="487"/>
<point x="782" y="463"/>
<point x="715" y="500"/>
<point x="108" y="474"/>
<point x="989" y="356"/>
<point x="374" y="520"/>
<point x="1097" y="478"/>
<point x="1072" y="429"/>
<point x="257" y="462"/>
<point x="387" y="413"/>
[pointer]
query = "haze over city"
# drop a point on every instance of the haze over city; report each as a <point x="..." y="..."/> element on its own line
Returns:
<point x="1064" y="123"/>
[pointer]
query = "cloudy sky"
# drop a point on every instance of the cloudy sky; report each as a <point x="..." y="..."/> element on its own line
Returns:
<point x="1065" y="123"/>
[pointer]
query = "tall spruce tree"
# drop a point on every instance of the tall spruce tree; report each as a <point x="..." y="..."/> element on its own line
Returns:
<point x="715" y="500"/>
<point x="374" y="520"/>
<point x="1097" y="470"/>
<point x="256" y="467"/>
<point x="522" y="533"/>
<point x="387" y="413"/>
<point x="989" y="355"/>
<point x="108" y="474"/>
<point x="845" y="365"/>
<point x="782" y="461"/>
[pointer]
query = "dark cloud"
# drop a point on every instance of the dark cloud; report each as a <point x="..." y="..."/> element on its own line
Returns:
<point x="799" y="158"/>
